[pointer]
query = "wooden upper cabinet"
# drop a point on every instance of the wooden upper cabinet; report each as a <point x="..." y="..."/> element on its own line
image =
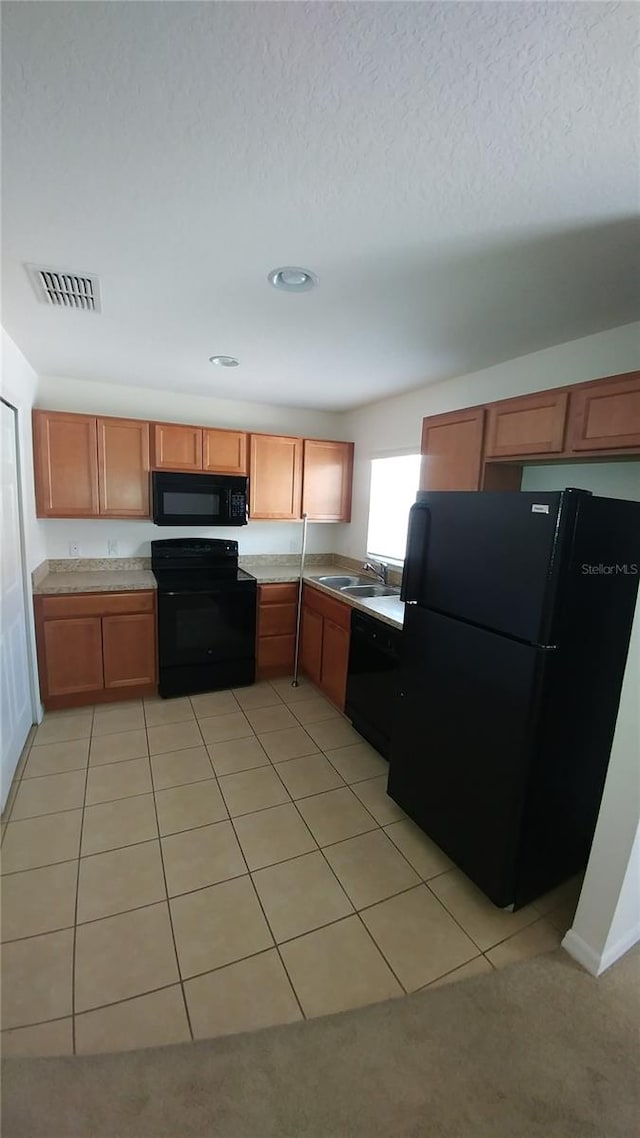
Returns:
<point x="276" y="477"/>
<point x="66" y="465"/>
<point x="531" y="424"/>
<point x="606" y="415"/>
<point x="224" y="452"/>
<point x="452" y="450"/>
<point x="123" y="468"/>
<point x="326" y="480"/>
<point x="176" y="447"/>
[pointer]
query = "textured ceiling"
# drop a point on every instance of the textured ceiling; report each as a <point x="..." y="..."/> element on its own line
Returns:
<point x="461" y="176"/>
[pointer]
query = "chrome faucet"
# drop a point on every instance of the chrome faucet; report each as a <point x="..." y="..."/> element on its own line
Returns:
<point x="382" y="573"/>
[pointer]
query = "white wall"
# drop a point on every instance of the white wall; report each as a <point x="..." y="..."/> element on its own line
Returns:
<point x="607" y="920"/>
<point x="133" y="537"/>
<point x="176" y="407"/>
<point x="394" y="426"/>
<point x="18" y="387"/>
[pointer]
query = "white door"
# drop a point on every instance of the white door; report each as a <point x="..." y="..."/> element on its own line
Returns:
<point x="16" y="713"/>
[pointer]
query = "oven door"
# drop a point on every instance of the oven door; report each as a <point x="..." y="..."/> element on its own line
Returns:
<point x="198" y="499"/>
<point x="213" y="627"/>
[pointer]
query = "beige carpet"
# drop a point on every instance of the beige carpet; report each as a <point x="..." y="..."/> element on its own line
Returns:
<point x="540" y="1049"/>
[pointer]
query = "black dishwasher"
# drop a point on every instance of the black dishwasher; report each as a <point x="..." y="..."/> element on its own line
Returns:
<point x="373" y="681"/>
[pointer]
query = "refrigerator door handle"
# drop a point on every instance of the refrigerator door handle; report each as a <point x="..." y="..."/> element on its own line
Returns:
<point x="415" y="566"/>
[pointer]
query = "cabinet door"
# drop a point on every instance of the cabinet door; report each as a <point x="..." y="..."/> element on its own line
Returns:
<point x="326" y="480"/>
<point x="606" y="416"/>
<point x="276" y="620"/>
<point x="311" y="644"/>
<point x="123" y="468"/>
<point x="129" y="650"/>
<point x="276" y="477"/>
<point x="533" y="424"/>
<point x="275" y="656"/>
<point x="72" y="651"/>
<point x="452" y="450"/>
<point x="335" y="662"/>
<point x="176" y="447"/>
<point x="224" y="452"/>
<point x="65" y="454"/>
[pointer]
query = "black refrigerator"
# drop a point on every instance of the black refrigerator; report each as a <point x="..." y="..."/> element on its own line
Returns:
<point x="516" y="631"/>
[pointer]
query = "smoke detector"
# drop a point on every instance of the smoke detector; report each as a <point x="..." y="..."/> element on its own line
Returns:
<point x="224" y="361"/>
<point x="60" y="288"/>
<point x="292" y="279"/>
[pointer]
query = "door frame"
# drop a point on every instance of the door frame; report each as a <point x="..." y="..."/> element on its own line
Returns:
<point x="37" y="713"/>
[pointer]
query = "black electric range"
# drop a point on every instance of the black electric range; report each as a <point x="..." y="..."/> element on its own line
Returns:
<point x="206" y="616"/>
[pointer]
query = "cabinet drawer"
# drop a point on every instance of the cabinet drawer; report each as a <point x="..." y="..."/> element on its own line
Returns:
<point x="334" y="610"/>
<point x="278" y="594"/>
<point x="276" y="620"/>
<point x="95" y="604"/>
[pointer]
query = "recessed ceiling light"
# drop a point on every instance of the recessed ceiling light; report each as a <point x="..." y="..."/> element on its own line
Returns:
<point x="224" y="361"/>
<point x="292" y="279"/>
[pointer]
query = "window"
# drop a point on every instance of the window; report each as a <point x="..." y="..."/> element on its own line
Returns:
<point x="394" y="484"/>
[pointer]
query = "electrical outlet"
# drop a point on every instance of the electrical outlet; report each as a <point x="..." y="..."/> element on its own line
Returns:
<point x="74" y="549"/>
<point x="112" y="548"/>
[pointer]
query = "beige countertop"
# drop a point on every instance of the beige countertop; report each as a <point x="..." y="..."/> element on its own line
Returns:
<point x="96" y="581"/>
<point x="390" y="610"/>
<point x="285" y="573"/>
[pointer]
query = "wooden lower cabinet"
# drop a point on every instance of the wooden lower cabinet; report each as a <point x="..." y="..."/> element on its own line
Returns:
<point x="129" y="650"/>
<point x="73" y="654"/>
<point x="326" y="633"/>
<point x="335" y="661"/>
<point x="95" y="647"/>
<point x="311" y="644"/>
<point x="276" y="630"/>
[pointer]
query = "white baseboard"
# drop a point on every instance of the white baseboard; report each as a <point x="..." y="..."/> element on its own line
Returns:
<point x="610" y="955"/>
<point x="596" y="963"/>
<point x="582" y="952"/>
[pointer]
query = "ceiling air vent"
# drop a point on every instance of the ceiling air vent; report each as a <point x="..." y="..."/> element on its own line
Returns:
<point x="62" y="289"/>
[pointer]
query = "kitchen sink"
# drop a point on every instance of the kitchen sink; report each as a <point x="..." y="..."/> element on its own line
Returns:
<point x="343" y="582"/>
<point x="370" y="590"/>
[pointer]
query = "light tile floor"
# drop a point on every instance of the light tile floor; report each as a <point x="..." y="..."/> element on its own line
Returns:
<point x="176" y="869"/>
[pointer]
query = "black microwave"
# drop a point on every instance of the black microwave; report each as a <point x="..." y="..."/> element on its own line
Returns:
<point x="199" y="499"/>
